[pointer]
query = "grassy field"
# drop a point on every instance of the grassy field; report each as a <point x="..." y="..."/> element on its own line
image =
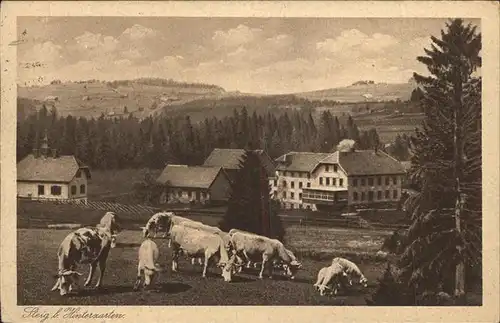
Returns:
<point x="37" y="262"/>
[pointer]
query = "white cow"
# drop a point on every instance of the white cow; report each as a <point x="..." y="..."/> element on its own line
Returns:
<point x="198" y="225"/>
<point x="252" y="246"/>
<point x="352" y="270"/>
<point x="198" y="243"/>
<point x="329" y="278"/>
<point x="148" y="263"/>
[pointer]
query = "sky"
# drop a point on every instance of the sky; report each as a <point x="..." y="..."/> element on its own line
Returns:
<point x="252" y="55"/>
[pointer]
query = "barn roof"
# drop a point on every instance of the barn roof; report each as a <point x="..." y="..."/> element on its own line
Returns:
<point x="230" y="159"/>
<point x="189" y="176"/>
<point x="299" y="161"/>
<point x="48" y="169"/>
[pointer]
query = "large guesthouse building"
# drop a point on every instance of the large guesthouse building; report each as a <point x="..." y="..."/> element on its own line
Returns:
<point x="354" y="178"/>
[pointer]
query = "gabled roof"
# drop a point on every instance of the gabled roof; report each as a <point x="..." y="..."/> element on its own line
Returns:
<point x="369" y="162"/>
<point x="299" y="161"/>
<point x="189" y="176"/>
<point x="48" y="169"/>
<point x="230" y="159"/>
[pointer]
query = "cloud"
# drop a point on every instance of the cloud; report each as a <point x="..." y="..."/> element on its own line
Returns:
<point x="354" y="42"/>
<point x="235" y="37"/>
<point x="139" y="32"/>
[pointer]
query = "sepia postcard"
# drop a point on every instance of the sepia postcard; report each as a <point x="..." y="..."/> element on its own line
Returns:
<point x="250" y="161"/>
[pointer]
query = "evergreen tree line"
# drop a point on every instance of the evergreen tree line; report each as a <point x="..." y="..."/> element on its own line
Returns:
<point x="104" y="143"/>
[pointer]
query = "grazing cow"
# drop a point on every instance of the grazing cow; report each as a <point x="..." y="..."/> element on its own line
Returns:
<point x="83" y="246"/>
<point x="252" y="246"/>
<point x="158" y="222"/>
<point x="148" y="263"/>
<point x="352" y="270"/>
<point x="196" y="243"/>
<point x="329" y="278"/>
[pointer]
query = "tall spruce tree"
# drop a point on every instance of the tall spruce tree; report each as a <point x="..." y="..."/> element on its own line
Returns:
<point x="250" y="207"/>
<point x="445" y="236"/>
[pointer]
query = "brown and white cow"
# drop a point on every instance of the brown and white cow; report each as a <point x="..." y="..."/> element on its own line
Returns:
<point x="85" y="246"/>
<point x="271" y="251"/>
<point x="194" y="242"/>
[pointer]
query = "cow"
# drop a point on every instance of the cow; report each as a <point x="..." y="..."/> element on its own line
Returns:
<point x="252" y="246"/>
<point x="148" y="263"/>
<point x="197" y="243"/>
<point x="352" y="270"/>
<point x="330" y="278"/>
<point x="85" y="246"/>
<point x="158" y="222"/>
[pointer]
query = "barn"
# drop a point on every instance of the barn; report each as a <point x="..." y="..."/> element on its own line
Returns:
<point x="47" y="176"/>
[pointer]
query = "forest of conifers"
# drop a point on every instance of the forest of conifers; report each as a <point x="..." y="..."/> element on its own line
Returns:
<point x="152" y="142"/>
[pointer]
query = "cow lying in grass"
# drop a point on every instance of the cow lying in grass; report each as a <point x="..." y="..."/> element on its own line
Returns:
<point x="199" y="243"/>
<point x="85" y="246"/>
<point x="148" y="263"/>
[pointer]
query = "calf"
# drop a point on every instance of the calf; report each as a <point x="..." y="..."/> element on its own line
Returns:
<point x="148" y="258"/>
<point x="83" y="246"/>
<point x="352" y="270"/>
<point x="329" y="278"/>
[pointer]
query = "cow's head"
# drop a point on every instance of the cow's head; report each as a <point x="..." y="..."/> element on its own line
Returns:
<point x="229" y="268"/>
<point x="292" y="268"/>
<point x="113" y="241"/>
<point x="111" y="221"/>
<point x="65" y="280"/>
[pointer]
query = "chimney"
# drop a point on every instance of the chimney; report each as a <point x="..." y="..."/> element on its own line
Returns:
<point x="54" y="153"/>
<point x="35" y="153"/>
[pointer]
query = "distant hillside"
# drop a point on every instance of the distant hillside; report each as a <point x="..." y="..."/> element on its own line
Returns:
<point x="141" y="97"/>
<point x="363" y="91"/>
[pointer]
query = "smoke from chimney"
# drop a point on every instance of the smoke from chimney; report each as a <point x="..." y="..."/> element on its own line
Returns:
<point x="346" y="145"/>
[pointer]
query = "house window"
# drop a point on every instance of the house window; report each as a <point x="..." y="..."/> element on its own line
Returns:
<point x="387" y="196"/>
<point x="370" y="196"/>
<point x="354" y="182"/>
<point x="41" y="190"/>
<point x="300" y="184"/>
<point x="355" y="196"/>
<point x="327" y="181"/>
<point x="321" y="181"/>
<point x="395" y="194"/>
<point x="334" y="181"/>
<point x="387" y="180"/>
<point x="284" y="183"/>
<point x="284" y="195"/>
<point x="370" y="181"/>
<point x="292" y="184"/>
<point x="55" y="190"/>
<point x="362" y="196"/>
<point x="308" y="185"/>
<point x="327" y="168"/>
<point x="78" y="174"/>
<point x="341" y="182"/>
<point x="292" y="195"/>
<point x="300" y="196"/>
<point x="82" y="189"/>
<point x="379" y="195"/>
<point x="73" y="189"/>
<point x="394" y="180"/>
<point x="335" y="168"/>
<point x="379" y="180"/>
<point x="363" y="182"/>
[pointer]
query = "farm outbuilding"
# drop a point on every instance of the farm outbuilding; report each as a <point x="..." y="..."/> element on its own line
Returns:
<point x="44" y="176"/>
<point x="194" y="184"/>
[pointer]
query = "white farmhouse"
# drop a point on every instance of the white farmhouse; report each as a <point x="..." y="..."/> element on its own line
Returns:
<point x="44" y="176"/>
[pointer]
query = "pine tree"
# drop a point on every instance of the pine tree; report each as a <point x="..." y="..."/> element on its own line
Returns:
<point x="250" y="206"/>
<point x="446" y="164"/>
